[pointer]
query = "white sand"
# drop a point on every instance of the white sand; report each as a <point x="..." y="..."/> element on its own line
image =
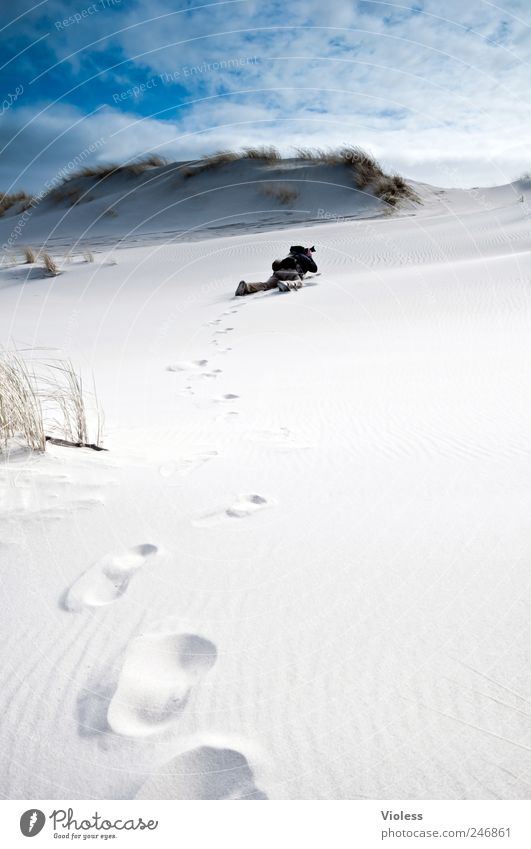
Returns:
<point x="303" y="568"/>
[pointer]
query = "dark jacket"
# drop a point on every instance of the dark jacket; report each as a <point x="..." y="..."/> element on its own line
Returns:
<point x="298" y="260"/>
<point x="305" y="262"/>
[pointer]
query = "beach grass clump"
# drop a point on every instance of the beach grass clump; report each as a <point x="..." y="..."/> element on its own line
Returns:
<point x="50" y="266"/>
<point x="7" y="201"/>
<point x="20" y="408"/>
<point x="100" y="172"/>
<point x="45" y="402"/>
<point x="30" y="256"/>
<point x="210" y="162"/>
<point x="267" y="153"/>
<point x="283" y="192"/>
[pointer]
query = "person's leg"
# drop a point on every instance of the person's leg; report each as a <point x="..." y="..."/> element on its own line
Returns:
<point x="290" y="279"/>
<point x="262" y="287"/>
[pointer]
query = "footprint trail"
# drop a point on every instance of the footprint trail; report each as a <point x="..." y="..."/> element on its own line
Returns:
<point x="107" y="579"/>
<point x="206" y="772"/>
<point x="157" y="676"/>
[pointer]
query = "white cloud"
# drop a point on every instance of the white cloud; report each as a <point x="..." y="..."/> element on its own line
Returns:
<point x="427" y="91"/>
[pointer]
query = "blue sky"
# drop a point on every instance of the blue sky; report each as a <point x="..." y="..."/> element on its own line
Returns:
<point x="437" y="90"/>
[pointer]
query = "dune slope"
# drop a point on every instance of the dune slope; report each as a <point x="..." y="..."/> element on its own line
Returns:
<point x="301" y="570"/>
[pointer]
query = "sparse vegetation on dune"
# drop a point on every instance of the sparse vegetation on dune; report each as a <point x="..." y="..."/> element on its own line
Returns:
<point x="138" y="166"/>
<point x="264" y="154"/>
<point x="223" y="157"/>
<point x="9" y="200"/>
<point x="73" y="194"/>
<point x="368" y="175"/>
<point x="391" y="189"/>
<point x="210" y="161"/>
<point x="50" y="265"/>
<point x="282" y="192"/>
<point x="30" y="255"/>
<point x="48" y="397"/>
<point x="20" y="408"/>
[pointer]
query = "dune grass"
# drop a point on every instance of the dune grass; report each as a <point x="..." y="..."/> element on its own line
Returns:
<point x="223" y="157"/>
<point x="282" y="192"/>
<point x="50" y="265"/>
<point x="73" y="194"/>
<point x="138" y="166"/>
<point x="367" y="173"/>
<point x="9" y="200"/>
<point x="20" y="409"/>
<point x="48" y="398"/>
<point x="30" y="256"/>
<point x="263" y="154"/>
<point x="209" y="162"/>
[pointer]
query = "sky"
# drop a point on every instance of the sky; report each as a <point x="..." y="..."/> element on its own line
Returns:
<point x="437" y="90"/>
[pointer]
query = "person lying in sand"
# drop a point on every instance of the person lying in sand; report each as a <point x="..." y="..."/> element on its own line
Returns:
<point x="288" y="273"/>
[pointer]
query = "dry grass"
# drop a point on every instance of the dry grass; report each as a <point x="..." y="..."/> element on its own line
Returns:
<point x="7" y="201"/>
<point x="107" y="170"/>
<point x="53" y="400"/>
<point x="264" y="154"/>
<point x="391" y="189"/>
<point x="282" y="192"/>
<point x="224" y="157"/>
<point x="209" y="162"/>
<point x="20" y="408"/>
<point x="30" y="255"/>
<point x="367" y="172"/>
<point x="71" y="194"/>
<point x="50" y="265"/>
<point x="63" y="394"/>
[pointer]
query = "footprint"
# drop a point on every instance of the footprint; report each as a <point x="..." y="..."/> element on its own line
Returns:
<point x="229" y="396"/>
<point x="212" y="374"/>
<point x="230" y="415"/>
<point x="185" y="465"/>
<point x="206" y="772"/>
<point x="225" y="330"/>
<point x="107" y="579"/>
<point x="191" y="365"/>
<point x="158" y="673"/>
<point x="282" y="439"/>
<point x="244" y="506"/>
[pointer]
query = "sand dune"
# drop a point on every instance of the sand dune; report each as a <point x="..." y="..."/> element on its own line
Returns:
<point x="301" y="570"/>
